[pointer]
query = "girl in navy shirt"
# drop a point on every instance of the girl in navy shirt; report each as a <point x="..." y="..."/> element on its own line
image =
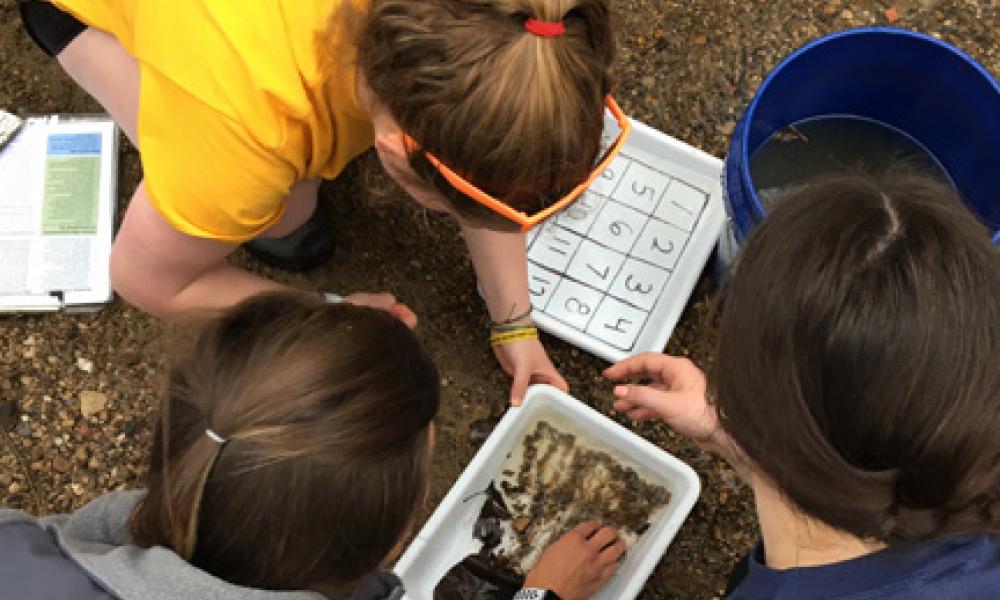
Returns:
<point x="857" y="391"/>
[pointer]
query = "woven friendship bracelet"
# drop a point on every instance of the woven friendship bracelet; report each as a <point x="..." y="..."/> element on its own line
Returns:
<point x="509" y="337"/>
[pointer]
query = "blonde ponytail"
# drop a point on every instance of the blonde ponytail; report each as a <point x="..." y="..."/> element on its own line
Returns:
<point x="518" y="115"/>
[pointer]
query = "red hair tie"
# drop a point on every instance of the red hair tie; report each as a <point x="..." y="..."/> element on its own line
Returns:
<point x="545" y="29"/>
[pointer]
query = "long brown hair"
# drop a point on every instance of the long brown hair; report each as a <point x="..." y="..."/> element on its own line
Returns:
<point x="518" y="115"/>
<point x="857" y="363"/>
<point x="325" y="410"/>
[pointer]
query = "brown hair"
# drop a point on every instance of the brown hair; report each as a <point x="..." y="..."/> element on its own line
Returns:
<point x="326" y="411"/>
<point x="857" y="360"/>
<point x="518" y="115"/>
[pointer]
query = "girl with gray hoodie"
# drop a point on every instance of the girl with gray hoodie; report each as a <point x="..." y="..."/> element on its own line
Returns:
<point x="289" y="462"/>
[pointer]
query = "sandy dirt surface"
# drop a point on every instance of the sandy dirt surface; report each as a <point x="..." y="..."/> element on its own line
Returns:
<point x="686" y="67"/>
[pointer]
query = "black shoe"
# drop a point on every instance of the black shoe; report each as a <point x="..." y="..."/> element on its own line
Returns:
<point x="304" y="249"/>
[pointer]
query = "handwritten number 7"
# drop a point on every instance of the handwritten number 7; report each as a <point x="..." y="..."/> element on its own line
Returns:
<point x="603" y="275"/>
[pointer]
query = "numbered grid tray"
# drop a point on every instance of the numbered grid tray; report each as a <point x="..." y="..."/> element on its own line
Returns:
<point x="613" y="272"/>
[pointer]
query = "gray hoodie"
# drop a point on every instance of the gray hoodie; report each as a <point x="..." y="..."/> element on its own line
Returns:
<point x="89" y="555"/>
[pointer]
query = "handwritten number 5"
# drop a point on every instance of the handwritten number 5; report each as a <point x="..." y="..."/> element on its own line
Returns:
<point x="645" y="189"/>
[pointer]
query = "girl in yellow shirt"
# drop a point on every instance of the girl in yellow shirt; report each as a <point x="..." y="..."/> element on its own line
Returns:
<point x="239" y="109"/>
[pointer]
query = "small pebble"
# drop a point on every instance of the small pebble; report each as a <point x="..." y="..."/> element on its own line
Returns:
<point x="92" y="402"/>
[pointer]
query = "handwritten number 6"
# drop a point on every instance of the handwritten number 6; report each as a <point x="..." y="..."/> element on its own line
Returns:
<point x="616" y="228"/>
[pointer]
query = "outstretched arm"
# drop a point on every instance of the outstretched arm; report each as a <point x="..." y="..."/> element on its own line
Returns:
<point x="164" y="272"/>
<point x="502" y="268"/>
<point x="677" y="395"/>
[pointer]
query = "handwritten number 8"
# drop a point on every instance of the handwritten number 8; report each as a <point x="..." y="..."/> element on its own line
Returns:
<point x="575" y="305"/>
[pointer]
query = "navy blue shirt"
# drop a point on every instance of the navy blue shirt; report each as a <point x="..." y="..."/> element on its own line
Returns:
<point x="964" y="568"/>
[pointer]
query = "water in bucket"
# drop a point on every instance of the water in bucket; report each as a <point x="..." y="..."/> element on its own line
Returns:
<point x="835" y="144"/>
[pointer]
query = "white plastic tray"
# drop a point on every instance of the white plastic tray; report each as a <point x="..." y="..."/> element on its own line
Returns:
<point x="613" y="272"/>
<point x="447" y="538"/>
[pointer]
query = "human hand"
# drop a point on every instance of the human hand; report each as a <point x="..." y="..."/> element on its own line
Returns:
<point x="579" y="564"/>
<point x="677" y="394"/>
<point x="527" y="362"/>
<point x="384" y="301"/>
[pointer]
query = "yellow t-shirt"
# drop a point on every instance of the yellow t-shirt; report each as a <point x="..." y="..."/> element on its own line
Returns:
<point x="237" y="101"/>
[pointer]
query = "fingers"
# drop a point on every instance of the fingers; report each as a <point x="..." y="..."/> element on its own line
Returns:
<point x="527" y="363"/>
<point x="612" y="555"/>
<point x="387" y="302"/>
<point x="661" y="368"/>
<point x="553" y="378"/>
<point x="640" y="414"/>
<point x="586" y="529"/>
<point x="522" y="377"/>
<point x="632" y="397"/>
<point x="404" y="313"/>
<point x="605" y="536"/>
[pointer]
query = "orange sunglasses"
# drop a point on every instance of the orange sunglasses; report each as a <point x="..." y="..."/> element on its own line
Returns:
<point x="525" y="220"/>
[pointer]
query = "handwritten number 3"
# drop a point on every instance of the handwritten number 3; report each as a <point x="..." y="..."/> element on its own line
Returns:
<point x="637" y="286"/>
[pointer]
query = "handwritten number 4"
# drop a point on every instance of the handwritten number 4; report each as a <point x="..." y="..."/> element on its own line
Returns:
<point x="618" y="325"/>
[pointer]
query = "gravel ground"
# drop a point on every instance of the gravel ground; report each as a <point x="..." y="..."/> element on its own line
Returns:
<point x="77" y="393"/>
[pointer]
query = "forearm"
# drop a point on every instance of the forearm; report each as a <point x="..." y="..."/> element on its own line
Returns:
<point x="219" y="287"/>
<point x="501" y="266"/>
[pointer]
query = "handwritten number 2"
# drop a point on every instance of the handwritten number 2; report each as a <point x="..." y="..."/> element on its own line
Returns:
<point x="659" y="248"/>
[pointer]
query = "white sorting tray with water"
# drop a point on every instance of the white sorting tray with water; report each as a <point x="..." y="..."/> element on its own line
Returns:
<point x="447" y="537"/>
<point x="613" y="272"/>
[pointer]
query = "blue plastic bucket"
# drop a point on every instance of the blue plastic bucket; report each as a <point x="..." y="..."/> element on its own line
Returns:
<point x="916" y="83"/>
